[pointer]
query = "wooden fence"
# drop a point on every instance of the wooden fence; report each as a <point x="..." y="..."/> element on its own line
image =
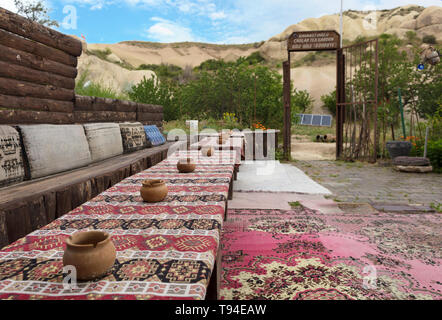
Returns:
<point x="38" y="67"/>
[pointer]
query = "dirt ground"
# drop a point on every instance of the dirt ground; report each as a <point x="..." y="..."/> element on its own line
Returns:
<point x="304" y="149"/>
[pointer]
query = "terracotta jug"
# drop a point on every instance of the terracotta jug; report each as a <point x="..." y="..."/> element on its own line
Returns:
<point x="92" y="253"/>
<point x="186" y="165"/>
<point x="207" y="151"/>
<point x="153" y="190"/>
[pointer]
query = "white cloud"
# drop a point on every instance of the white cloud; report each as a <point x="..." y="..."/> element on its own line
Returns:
<point x="217" y="15"/>
<point x="8" y="5"/>
<point x="169" y="31"/>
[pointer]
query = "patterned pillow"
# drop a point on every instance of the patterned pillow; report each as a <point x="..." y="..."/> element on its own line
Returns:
<point x="54" y="148"/>
<point x="104" y="140"/>
<point x="11" y="161"/>
<point x="154" y="135"/>
<point x="133" y="136"/>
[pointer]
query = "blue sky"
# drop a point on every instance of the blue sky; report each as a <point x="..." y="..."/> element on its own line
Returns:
<point x="213" y="21"/>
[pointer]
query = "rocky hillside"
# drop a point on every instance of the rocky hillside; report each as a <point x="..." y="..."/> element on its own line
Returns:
<point x="131" y="54"/>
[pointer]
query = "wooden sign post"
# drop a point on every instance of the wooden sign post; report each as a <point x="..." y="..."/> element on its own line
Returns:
<point x="326" y="40"/>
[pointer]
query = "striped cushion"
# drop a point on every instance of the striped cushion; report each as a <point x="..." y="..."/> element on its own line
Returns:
<point x="133" y="136"/>
<point x="54" y="148"/>
<point x="104" y="140"/>
<point x="11" y="162"/>
<point x="154" y="135"/>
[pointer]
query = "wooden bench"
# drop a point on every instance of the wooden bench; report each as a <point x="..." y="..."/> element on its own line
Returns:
<point x="30" y="205"/>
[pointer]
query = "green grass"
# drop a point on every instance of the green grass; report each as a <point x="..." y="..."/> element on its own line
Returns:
<point x="84" y="87"/>
<point x="295" y="204"/>
<point x="436" y="206"/>
<point x="311" y="131"/>
<point x="102" y="54"/>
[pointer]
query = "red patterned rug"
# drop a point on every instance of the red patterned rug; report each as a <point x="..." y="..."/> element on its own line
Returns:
<point x="304" y="254"/>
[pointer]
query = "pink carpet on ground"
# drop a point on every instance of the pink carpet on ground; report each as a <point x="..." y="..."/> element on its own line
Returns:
<point x="304" y="254"/>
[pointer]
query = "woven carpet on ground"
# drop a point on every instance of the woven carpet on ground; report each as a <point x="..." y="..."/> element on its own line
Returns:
<point x="304" y="254"/>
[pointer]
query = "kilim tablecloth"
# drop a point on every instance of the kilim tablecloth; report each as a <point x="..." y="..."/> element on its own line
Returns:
<point x="236" y="144"/>
<point x="165" y="250"/>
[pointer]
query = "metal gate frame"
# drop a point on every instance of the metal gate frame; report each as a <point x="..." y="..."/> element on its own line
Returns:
<point x="351" y="61"/>
<point x="333" y="46"/>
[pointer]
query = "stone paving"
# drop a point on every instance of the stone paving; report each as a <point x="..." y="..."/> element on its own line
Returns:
<point x="374" y="184"/>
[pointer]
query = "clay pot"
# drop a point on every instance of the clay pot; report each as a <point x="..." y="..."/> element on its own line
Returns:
<point x="186" y="165"/>
<point x="153" y="190"/>
<point x="92" y="253"/>
<point x="207" y="151"/>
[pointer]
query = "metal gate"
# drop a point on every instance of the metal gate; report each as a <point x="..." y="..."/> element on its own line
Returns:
<point x="357" y="101"/>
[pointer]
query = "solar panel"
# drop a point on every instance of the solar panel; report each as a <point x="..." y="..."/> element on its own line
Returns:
<point x="307" y="119"/>
<point x="315" y="120"/>
<point x="326" y="121"/>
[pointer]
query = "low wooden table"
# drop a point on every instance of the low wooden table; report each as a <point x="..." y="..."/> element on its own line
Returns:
<point x="166" y="250"/>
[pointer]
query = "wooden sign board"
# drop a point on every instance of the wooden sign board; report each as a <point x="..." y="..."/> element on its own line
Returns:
<point x="313" y="41"/>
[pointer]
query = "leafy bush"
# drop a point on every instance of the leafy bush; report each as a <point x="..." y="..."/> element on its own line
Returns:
<point x="163" y="71"/>
<point x="211" y="65"/>
<point x="434" y="153"/>
<point x="430" y="39"/>
<point x="151" y="91"/>
<point x="329" y="101"/>
<point x="302" y="100"/>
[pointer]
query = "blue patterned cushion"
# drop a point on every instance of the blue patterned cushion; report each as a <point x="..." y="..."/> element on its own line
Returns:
<point x="154" y="135"/>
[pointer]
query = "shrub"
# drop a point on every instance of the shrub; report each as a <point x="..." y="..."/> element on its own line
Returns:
<point x="430" y="39"/>
<point x="102" y="54"/>
<point x="434" y="153"/>
<point x="151" y="91"/>
<point x="329" y="101"/>
<point x="302" y="100"/>
<point x="163" y="71"/>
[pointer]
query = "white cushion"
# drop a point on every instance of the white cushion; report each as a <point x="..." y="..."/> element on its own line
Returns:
<point x="54" y="148"/>
<point x="104" y="140"/>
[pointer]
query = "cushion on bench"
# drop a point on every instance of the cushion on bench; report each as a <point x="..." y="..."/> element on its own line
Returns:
<point x="154" y="135"/>
<point x="104" y="140"/>
<point x="54" y="148"/>
<point x="11" y="161"/>
<point x="134" y="137"/>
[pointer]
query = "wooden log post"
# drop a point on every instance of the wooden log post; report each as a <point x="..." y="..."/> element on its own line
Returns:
<point x="340" y="99"/>
<point x="25" y="59"/>
<point x="25" y="117"/>
<point x="17" y="72"/>
<point x="287" y="109"/>
<point x="32" y="30"/>
<point x="19" y="43"/>
<point x="35" y="104"/>
<point x="28" y="89"/>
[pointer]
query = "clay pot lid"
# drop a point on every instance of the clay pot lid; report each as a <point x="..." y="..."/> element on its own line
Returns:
<point x="88" y="239"/>
<point x="153" y="182"/>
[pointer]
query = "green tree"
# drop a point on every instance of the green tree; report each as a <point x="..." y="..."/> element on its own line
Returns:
<point x="329" y="101"/>
<point x="302" y="100"/>
<point x="152" y="91"/>
<point x="35" y="11"/>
